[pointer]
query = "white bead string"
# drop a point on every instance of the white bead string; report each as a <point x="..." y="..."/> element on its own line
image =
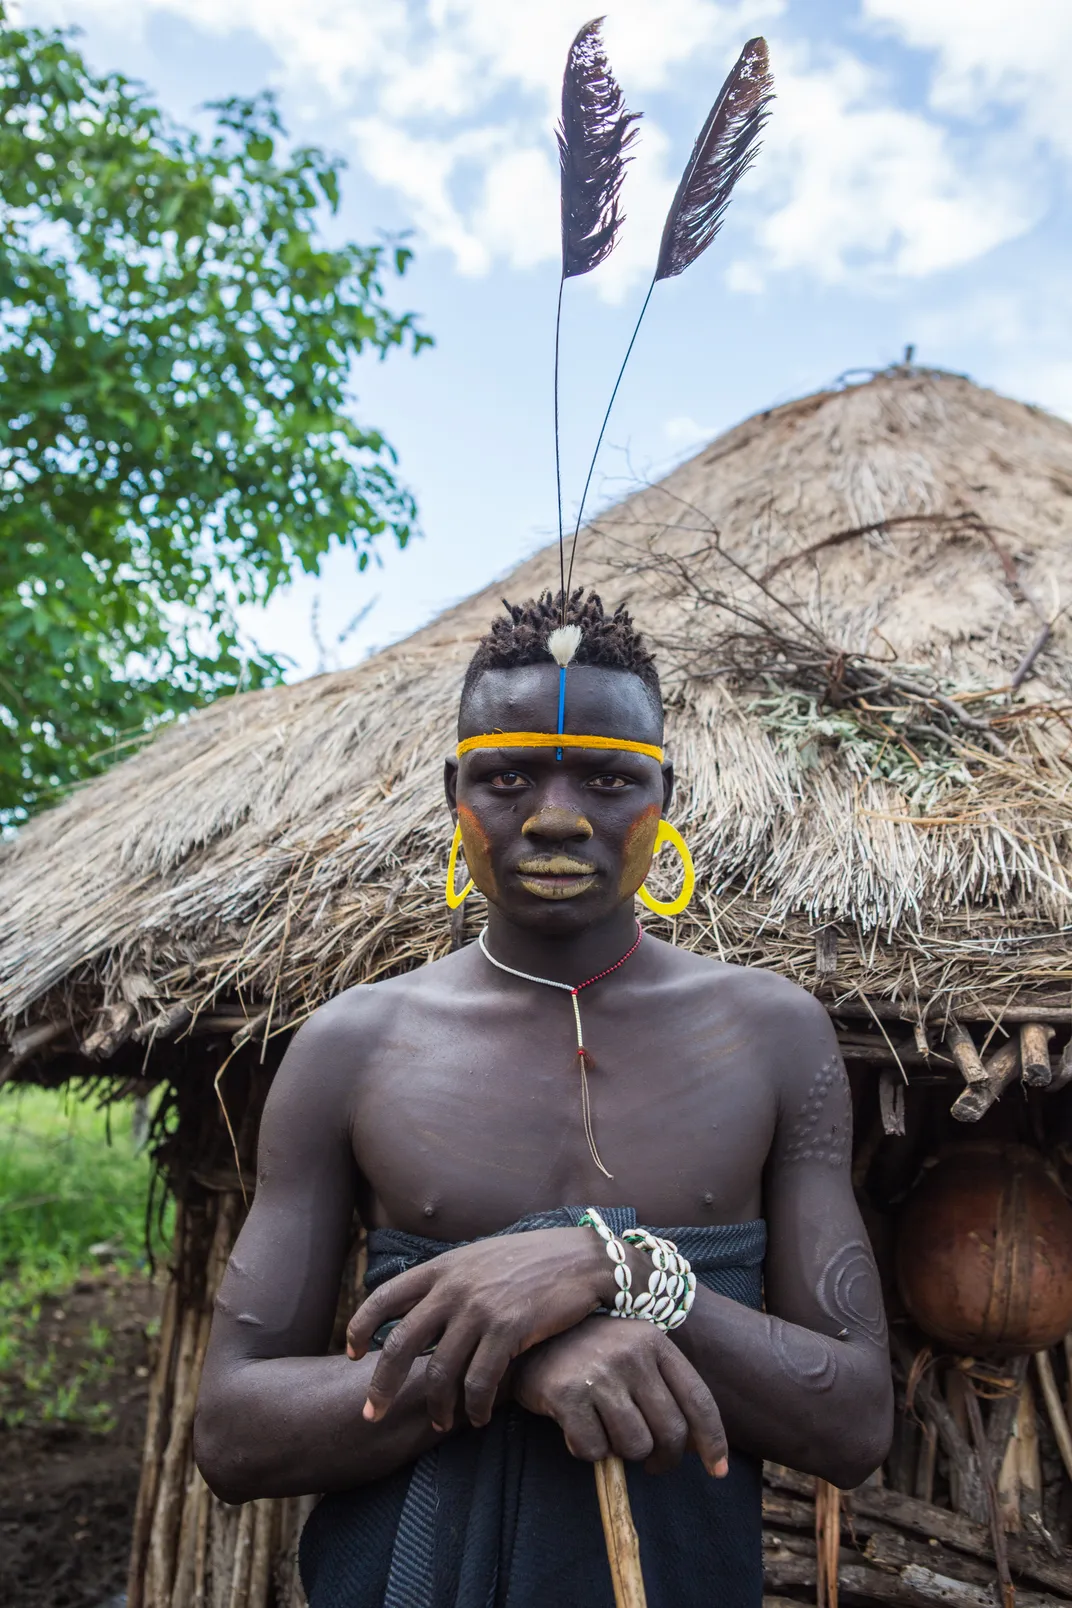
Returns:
<point x="582" y="1055"/>
<point x="667" y="1301"/>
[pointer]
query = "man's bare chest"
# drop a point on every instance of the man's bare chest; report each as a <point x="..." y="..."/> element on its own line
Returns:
<point x="463" y="1124"/>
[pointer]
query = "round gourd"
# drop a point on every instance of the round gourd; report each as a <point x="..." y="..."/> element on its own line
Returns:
<point x="984" y="1251"/>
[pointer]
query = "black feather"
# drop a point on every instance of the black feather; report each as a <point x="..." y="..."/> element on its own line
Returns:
<point x="725" y="150"/>
<point x="593" y="137"/>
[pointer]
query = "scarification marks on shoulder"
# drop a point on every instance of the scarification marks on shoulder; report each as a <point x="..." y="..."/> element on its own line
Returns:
<point x="821" y="1128"/>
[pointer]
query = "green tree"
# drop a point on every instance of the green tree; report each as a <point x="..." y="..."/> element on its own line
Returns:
<point x="176" y="346"/>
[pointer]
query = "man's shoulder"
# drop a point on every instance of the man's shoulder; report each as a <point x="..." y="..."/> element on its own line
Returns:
<point x="753" y="987"/>
<point x="362" y="1008"/>
<point x="790" y="1024"/>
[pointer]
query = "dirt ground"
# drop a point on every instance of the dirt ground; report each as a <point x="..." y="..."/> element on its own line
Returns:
<point x="67" y="1492"/>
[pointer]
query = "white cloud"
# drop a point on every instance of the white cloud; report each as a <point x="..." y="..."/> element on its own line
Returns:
<point x="683" y="434"/>
<point x="991" y="53"/>
<point x="450" y="103"/>
<point x="862" y="186"/>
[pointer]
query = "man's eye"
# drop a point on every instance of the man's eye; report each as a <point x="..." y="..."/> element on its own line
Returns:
<point x="509" y="779"/>
<point x="608" y="781"/>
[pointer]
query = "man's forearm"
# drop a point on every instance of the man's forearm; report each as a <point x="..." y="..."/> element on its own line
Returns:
<point x="787" y="1393"/>
<point x="292" y="1425"/>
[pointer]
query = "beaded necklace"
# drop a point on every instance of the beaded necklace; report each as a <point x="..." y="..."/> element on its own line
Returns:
<point x="583" y="1058"/>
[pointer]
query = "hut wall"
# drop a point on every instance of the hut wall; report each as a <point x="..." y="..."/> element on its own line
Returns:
<point x="189" y="1549"/>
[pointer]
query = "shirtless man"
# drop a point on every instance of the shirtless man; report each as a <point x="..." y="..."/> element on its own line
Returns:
<point x="442" y="1106"/>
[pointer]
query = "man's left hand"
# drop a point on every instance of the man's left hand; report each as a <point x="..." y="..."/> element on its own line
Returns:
<point x="480" y="1306"/>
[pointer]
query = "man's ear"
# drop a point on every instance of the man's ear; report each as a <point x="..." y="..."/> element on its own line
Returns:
<point x="450" y="785"/>
<point x="668" y="784"/>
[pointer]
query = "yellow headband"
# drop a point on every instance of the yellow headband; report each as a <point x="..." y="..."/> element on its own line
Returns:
<point x="565" y="739"/>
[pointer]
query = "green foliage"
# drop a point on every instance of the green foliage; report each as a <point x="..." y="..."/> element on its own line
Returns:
<point x="73" y="1193"/>
<point x="921" y="770"/>
<point x="175" y="354"/>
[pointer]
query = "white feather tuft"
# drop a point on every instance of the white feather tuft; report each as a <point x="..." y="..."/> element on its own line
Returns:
<point x="563" y="643"/>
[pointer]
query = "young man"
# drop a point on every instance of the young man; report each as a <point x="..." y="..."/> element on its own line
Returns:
<point x="444" y="1107"/>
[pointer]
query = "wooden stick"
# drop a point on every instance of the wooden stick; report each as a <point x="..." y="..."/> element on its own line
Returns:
<point x="243" y="1557"/>
<point x="1061" y="1433"/>
<point x="260" y="1570"/>
<point x="928" y="1458"/>
<point x="1063" y="1075"/>
<point x="827" y="1542"/>
<point x="997" y="1531"/>
<point x="197" y="1598"/>
<point x="961" y="1047"/>
<point x="171" y="1486"/>
<point x="155" y="1441"/>
<point x="1009" y="1487"/>
<point x="1002" y="1069"/>
<point x="940" y="1588"/>
<point x="182" y="1586"/>
<point x="906" y="1590"/>
<point x="891" y="1101"/>
<point x="870" y="1503"/>
<point x="874" y="1506"/>
<point x="1035" y="1053"/>
<point x="619" y="1532"/>
<point x="1005" y="1411"/>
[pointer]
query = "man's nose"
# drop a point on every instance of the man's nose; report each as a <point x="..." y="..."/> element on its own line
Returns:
<point x="558" y="825"/>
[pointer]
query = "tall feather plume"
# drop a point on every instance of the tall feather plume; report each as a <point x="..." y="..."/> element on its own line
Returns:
<point x="593" y="138"/>
<point x="724" y="151"/>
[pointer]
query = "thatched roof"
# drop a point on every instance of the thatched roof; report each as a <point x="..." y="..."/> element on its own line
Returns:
<point x="914" y="814"/>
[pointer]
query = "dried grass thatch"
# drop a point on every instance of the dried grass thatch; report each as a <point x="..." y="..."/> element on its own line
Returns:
<point x="857" y="600"/>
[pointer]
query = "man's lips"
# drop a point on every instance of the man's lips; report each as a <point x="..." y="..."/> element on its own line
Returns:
<point x="556" y="876"/>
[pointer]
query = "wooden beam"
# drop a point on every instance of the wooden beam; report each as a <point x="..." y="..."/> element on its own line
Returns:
<point x="26" y="1043"/>
<point x="1027" y="1559"/>
<point x="1035" y="1053"/>
<point x="891" y="1101"/>
<point x="1002" y="1069"/>
<point x="961" y="1046"/>
<point x="1048" y="1008"/>
<point x="1063" y="1075"/>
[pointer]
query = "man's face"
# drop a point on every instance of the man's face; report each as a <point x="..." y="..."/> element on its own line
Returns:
<point x="558" y="844"/>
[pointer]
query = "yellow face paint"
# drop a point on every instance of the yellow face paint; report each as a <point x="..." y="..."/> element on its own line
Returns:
<point x="546" y="739"/>
<point x="477" y="852"/>
<point x="638" y="850"/>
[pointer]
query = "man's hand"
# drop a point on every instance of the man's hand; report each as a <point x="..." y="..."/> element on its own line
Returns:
<point x="480" y="1306"/>
<point x="619" y="1386"/>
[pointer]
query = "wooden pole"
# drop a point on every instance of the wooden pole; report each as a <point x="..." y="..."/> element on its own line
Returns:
<point x="827" y="1542"/>
<point x="1035" y="1053"/>
<point x="619" y="1532"/>
<point x="961" y="1047"/>
<point x="1052" y="1397"/>
<point x="1001" y="1069"/>
<point x="997" y="1531"/>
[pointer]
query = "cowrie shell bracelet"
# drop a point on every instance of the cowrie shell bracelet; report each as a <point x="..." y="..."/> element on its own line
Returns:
<point x="671" y="1290"/>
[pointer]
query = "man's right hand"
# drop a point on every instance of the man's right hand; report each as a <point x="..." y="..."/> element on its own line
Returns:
<point x="620" y="1387"/>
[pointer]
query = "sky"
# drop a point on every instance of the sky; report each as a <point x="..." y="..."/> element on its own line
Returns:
<point x="913" y="189"/>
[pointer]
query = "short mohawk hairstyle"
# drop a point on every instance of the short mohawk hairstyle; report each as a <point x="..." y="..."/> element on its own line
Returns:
<point x="608" y="641"/>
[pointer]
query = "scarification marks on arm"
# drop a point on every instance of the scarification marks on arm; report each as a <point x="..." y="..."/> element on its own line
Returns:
<point x="849" y="1292"/>
<point x="821" y="1127"/>
<point x="808" y="1359"/>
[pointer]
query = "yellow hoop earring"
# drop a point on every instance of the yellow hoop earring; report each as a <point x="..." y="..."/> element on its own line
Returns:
<point x="671" y="907"/>
<point x="455" y="899"/>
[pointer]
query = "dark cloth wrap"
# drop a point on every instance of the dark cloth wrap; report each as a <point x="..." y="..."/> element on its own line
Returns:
<point x="504" y="1517"/>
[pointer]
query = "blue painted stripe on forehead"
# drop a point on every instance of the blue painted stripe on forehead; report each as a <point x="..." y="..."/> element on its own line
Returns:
<point x="561" y="705"/>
